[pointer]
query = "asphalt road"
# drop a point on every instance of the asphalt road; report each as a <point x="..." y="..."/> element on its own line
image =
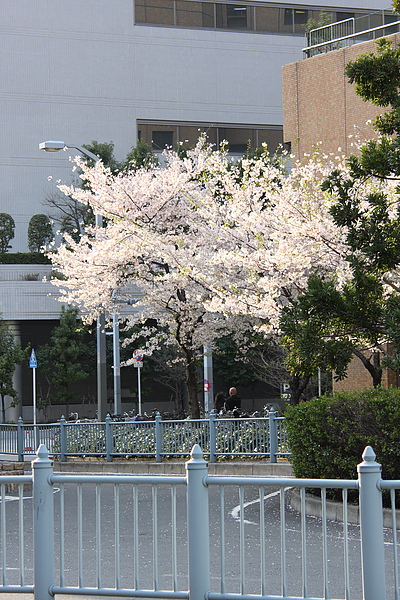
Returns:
<point x="232" y="561"/>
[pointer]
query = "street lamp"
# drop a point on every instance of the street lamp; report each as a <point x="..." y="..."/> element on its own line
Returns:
<point x="56" y="146"/>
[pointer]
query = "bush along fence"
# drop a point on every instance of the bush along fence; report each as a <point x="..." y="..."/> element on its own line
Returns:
<point x="255" y="437"/>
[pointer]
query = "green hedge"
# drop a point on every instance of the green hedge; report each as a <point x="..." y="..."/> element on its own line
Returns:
<point x="24" y="258"/>
<point x="327" y="435"/>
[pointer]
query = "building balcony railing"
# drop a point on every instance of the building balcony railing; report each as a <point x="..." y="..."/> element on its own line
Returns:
<point x="348" y="32"/>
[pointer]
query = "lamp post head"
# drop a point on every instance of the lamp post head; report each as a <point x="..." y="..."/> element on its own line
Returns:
<point x="55" y="146"/>
<point x="52" y="146"/>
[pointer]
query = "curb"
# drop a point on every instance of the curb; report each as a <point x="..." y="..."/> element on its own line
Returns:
<point x="334" y="510"/>
<point x="249" y="469"/>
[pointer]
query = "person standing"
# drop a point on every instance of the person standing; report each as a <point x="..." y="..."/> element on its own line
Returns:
<point x="233" y="401"/>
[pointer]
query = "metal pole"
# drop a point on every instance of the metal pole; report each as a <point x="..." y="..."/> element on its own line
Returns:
<point x="208" y="379"/>
<point x="34" y="407"/>
<point x="43" y="525"/>
<point x="371" y="526"/>
<point x="20" y="439"/>
<point x="63" y="440"/>
<point x="117" y="367"/>
<point x="159" y="444"/>
<point x="101" y="368"/>
<point x="213" y="437"/>
<point x="108" y="439"/>
<point x="198" y="525"/>
<point x="139" y="366"/>
<point x="273" y="438"/>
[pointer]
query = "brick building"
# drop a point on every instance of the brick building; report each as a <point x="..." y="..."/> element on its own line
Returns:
<point x="320" y="107"/>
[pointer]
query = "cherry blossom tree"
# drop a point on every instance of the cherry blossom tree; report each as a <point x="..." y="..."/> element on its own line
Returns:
<point x="150" y="228"/>
<point x="213" y="246"/>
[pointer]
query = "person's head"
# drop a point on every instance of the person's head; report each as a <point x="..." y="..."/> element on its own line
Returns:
<point x="220" y="396"/>
<point x="233" y="391"/>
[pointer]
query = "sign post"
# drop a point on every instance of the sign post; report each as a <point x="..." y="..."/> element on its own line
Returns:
<point x="138" y="358"/>
<point x="208" y="379"/>
<point x="33" y="366"/>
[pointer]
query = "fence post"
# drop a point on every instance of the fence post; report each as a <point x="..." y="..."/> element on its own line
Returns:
<point x="20" y="439"/>
<point x="159" y="440"/>
<point x="273" y="436"/>
<point x="43" y="525"/>
<point x="198" y="525"/>
<point x="63" y="440"/>
<point x="371" y="525"/>
<point x="108" y="438"/>
<point x="213" y="437"/>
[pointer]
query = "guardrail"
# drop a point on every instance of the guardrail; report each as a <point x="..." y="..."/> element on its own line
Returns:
<point x="90" y="542"/>
<point x="218" y="436"/>
<point x="327" y="43"/>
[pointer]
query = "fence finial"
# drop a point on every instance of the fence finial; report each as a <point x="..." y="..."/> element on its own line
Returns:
<point x="196" y="453"/>
<point x="369" y="454"/>
<point x="42" y="452"/>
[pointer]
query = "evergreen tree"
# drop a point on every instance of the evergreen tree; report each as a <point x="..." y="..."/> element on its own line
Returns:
<point x="40" y="232"/>
<point x="68" y="358"/>
<point x="7" y="227"/>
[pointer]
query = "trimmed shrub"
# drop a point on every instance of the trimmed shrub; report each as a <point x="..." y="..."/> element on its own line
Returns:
<point x="40" y="232"/>
<point x="327" y="435"/>
<point x="24" y="258"/>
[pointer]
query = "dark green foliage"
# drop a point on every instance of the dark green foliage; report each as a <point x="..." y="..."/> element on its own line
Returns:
<point x="7" y="227"/>
<point x="24" y="258"/>
<point x="325" y="326"/>
<point x="140" y="156"/>
<point x="228" y="364"/>
<point x="377" y="75"/>
<point x="323" y="20"/>
<point x="68" y="358"/>
<point x="40" y="232"/>
<point x="105" y="151"/>
<point x="328" y="435"/>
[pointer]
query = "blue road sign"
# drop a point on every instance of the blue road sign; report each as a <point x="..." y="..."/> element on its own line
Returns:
<point x="32" y="360"/>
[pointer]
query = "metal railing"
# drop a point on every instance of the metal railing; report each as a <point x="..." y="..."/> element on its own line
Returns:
<point x="88" y="542"/>
<point x="218" y="436"/>
<point x="345" y="33"/>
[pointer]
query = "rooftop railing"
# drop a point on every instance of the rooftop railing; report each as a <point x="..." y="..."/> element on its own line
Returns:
<point x="350" y="31"/>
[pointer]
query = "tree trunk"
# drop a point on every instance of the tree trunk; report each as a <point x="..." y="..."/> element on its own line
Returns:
<point x="372" y="364"/>
<point x="298" y="384"/>
<point x="194" y="408"/>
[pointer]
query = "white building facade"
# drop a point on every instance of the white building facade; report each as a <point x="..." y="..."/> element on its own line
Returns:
<point x="116" y="70"/>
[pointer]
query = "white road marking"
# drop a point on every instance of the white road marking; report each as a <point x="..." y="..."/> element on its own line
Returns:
<point x="235" y="512"/>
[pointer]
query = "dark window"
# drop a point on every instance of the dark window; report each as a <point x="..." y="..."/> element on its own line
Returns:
<point x="295" y="16"/>
<point x="342" y="16"/>
<point x="236" y="16"/>
<point x="161" y="139"/>
<point x="300" y="16"/>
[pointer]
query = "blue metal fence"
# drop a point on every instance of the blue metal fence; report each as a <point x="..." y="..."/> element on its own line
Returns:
<point x="218" y="436"/>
